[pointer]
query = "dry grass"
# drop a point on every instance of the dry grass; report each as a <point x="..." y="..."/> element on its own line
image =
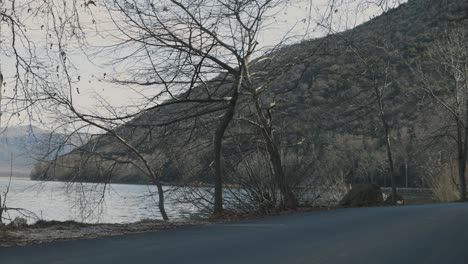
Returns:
<point x="445" y="184"/>
<point x="5" y="235"/>
<point x="44" y="232"/>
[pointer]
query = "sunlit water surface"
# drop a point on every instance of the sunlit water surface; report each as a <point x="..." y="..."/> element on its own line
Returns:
<point x="92" y="203"/>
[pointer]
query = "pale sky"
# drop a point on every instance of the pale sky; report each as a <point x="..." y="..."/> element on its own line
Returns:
<point x="297" y="20"/>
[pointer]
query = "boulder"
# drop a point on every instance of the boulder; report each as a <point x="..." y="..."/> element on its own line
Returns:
<point x="363" y="195"/>
<point x="19" y="222"/>
<point x="398" y="201"/>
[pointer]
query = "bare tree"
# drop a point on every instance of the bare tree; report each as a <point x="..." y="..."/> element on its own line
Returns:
<point x="449" y="62"/>
<point x="204" y="53"/>
<point x="199" y="61"/>
<point x="25" y="45"/>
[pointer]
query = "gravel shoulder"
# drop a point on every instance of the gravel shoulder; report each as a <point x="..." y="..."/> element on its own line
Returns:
<point x="50" y="231"/>
<point x="45" y="232"/>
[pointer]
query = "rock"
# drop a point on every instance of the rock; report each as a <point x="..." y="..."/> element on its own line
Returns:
<point x="19" y="222"/>
<point x="398" y="201"/>
<point x="363" y="195"/>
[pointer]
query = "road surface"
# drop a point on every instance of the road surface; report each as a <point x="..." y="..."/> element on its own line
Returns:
<point x="412" y="234"/>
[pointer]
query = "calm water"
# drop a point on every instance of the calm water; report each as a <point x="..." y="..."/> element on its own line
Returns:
<point x="115" y="203"/>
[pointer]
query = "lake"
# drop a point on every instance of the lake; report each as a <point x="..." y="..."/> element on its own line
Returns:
<point x="88" y="202"/>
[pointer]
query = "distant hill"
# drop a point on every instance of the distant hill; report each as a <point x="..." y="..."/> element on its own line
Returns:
<point x="23" y="146"/>
<point x="324" y="109"/>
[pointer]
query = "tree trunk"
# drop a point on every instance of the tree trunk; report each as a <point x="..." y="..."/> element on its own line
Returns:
<point x="390" y="162"/>
<point x="386" y="127"/>
<point x="465" y="146"/>
<point x="161" y="207"/>
<point x="461" y="162"/>
<point x="218" y="150"/>
<point x="289" y="199"/>
<point x="389" y="150"/>
<point x="406" y="173"/>
<point x="1" y="210"/>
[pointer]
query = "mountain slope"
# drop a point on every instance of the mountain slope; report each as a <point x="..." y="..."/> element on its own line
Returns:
<point x="325" y="114"/>
<point x="22" y="146"/>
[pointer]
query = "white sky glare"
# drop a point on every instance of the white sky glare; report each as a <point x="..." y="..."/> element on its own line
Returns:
<point x="94" y="68"/>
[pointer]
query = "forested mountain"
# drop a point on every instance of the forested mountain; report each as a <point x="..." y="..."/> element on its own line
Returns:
<point x="327" y="114"/>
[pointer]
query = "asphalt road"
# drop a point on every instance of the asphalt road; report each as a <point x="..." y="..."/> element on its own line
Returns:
<point x="412" y="234"/>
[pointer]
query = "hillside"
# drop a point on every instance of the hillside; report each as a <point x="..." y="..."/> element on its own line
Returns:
<point x="12" y="149"/>
<point x="22" y="146"/>
<point x="325" y="117"/>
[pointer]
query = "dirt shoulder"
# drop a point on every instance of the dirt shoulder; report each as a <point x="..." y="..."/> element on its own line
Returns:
<point x="45" y="232"/>
<point x="50" y="231"/>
